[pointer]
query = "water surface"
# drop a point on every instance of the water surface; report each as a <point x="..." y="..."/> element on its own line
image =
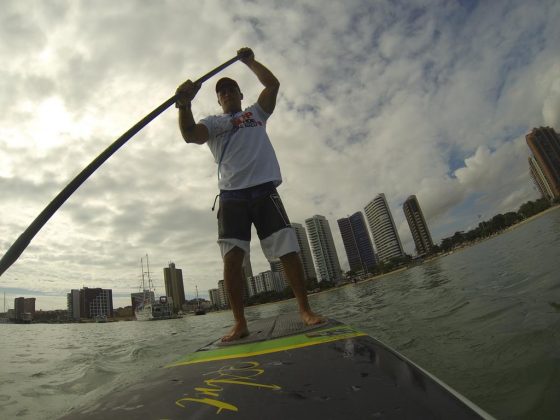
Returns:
<point x="485" y="320"/>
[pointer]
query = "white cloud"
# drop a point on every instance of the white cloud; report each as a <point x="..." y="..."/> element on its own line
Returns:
<point x="551" y="105"/>
<point x="375" y="97"/>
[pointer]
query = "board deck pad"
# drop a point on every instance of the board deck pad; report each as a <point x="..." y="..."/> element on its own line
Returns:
<point x="271" y="328"/>
<point x="285" y="370"/>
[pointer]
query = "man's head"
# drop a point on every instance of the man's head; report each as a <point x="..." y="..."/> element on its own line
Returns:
<point x="229" y="95"/>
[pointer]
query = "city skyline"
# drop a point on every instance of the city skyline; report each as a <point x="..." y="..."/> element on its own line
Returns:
<point x="275" y="279"/>
<point x="173" y="280"/>
<point x="389" y="97"/>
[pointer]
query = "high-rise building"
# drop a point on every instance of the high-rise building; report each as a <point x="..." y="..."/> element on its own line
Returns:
<point x="73" y="304"/>
<point x="29" y="306"/>
<point x="251" y="286"/>
<point x="269" y="281"/>
<point x="324" y="251"/>
<point x="247" y="274"/>
<point x="305" y="252"/>
<point x="276" y="266"/>
<point x="357" y="242"/>
<point x="101" y="304"/>
<point x="89" y="303"/>
<point x="224" y="298"/>
<point x="247" y="268"/>
<point x="174" y="287"/>
<point x="418" y="226"/>
<point x="539" y="179"/>
<point x="24" y="309"/>
<point x="383" y="229"/>
<point x="544" y="142"/>
<point x="215" y="298"/>
<point x="274" y="281"/>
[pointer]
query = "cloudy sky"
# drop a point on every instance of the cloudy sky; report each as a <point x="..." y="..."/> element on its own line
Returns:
<point x="431" y="98"/>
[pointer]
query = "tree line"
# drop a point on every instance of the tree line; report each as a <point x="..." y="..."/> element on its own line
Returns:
<point x="496" y="224"/>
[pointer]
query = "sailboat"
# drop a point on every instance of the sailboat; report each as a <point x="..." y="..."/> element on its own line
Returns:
<point x="150" y="309"/>
<point x="199" y="310"/>
<point x="143" y="311"/>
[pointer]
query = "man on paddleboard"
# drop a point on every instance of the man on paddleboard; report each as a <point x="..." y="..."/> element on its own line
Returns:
<point x="248" y="174"/>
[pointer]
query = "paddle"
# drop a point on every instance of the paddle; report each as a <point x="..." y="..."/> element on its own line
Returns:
<point x="25" y="238"/>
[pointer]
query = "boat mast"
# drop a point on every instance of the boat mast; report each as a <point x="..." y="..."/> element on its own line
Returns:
<point x="143" y="281"/>
<point x="150" y="282"/>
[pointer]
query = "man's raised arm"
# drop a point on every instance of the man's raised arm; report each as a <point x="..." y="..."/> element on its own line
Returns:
<point x="190" y="130"/>
<point x="267" y="98"/>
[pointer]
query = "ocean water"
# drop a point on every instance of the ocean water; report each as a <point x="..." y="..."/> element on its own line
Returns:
<point x="485" y="320"/>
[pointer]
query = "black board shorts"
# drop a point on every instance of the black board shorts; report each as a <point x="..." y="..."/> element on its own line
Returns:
<point x="262" y="207"/>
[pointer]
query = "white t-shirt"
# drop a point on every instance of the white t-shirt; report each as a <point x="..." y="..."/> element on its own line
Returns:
<point x="242" y="149"/>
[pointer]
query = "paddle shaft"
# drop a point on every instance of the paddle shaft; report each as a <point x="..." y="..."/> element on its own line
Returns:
<point x="25" y="238"/>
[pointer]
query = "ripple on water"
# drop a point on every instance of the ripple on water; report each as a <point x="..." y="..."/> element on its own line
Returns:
<point x="4" y="399"/>
<point x="490" y="313"/>
<point x="448" y="310"/>
<point x="485" y="320"/>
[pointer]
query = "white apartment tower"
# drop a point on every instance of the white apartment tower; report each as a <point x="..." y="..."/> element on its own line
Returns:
<point x="215" y="297"/>
<point x="276" y="266"/>
<point x="305" y="251"/>
<point x="383" y="229"/>
<point x="222" y="293"/>
<point x="73" y="304"/>
<point x="324" y="251"/>
<point x="539" y="179"/>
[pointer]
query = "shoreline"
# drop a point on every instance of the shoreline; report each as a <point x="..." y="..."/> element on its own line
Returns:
<point x="533" y="217"/>
<point x="508" y="229"/>
<point x="460" y="248"/>
<point x="398" y="270"/>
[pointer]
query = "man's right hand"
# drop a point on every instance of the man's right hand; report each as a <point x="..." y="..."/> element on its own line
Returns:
<point x="186" y="93"/>
<point x="246" y="55"/>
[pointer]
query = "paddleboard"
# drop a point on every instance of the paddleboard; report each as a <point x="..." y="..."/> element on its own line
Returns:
<point x="286" y="370"/>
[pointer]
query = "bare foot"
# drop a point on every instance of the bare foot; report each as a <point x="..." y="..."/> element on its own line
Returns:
<point x="311" y="318"/>
<point x="238" y="331"/>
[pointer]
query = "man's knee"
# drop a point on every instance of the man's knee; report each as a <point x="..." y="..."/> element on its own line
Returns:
<point x="234" y="257"/>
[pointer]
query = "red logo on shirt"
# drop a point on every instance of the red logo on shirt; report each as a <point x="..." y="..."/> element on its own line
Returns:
<point x="245" y="120"/>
